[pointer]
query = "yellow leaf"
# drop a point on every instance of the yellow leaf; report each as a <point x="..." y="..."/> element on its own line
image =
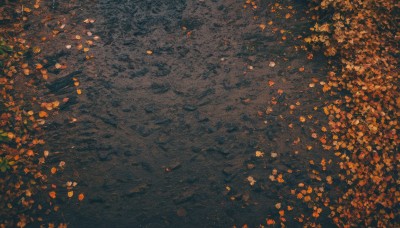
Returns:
<point x="10" y="135"/>
<point x="259" y="154"/>
<point x="70" y="194"/>
<point x="36" y="50"/>
<point x="56" y="104"/>
<point x="251" y="180"/>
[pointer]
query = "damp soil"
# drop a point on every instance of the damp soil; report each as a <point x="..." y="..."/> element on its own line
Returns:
<point x="158" y="138"/>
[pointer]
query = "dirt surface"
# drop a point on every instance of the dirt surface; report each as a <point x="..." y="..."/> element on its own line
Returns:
<point x="158" y="138"/>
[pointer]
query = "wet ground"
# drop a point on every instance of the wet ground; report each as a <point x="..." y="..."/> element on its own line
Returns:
<point x="159" y="137"/>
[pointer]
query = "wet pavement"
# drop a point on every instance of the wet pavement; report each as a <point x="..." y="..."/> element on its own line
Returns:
<point x="167" y="138"/>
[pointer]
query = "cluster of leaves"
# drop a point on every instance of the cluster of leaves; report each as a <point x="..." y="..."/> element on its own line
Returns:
<point x="26" y="194"/>
<point x="361" y="37"/>
<point x="21" y="176"/>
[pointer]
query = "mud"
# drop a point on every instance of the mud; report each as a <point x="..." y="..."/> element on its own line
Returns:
<point x="159" y="137"/>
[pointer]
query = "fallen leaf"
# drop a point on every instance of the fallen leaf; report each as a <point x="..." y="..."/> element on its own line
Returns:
<point x="271" y="83"/>
<point x="52" y="194"/>
<point x="61" y="164"/>
<point x="36" y="50"/>
<point x="272" y="64"/>
<point x="30" y="153"/>
<point x="329" y="179"/>
<point x="251" y="180"/>
<point x="259" y="154"/>
<point x="270" y="222"/>
<point x="43" y="114"/>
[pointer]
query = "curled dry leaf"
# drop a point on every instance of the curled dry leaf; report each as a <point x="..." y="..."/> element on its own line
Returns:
<point x="251" y="180"/>
<point x="259" y="154"/>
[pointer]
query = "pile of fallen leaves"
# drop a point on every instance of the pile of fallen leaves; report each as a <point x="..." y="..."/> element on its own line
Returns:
<point x="362" y="40"/>
<point x="26" y="194"/>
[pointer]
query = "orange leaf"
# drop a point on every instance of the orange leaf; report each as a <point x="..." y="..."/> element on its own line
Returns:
<point x="270" y="222"/>
<point x="299" y="196"/>
<point x="271" y="83"/>
<point x="81" y="197"/>
<point x="43" y="114"/>
<point x="30" y="153"/>
<point x="52" y="194"/>
<point x="53" y="170"/>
